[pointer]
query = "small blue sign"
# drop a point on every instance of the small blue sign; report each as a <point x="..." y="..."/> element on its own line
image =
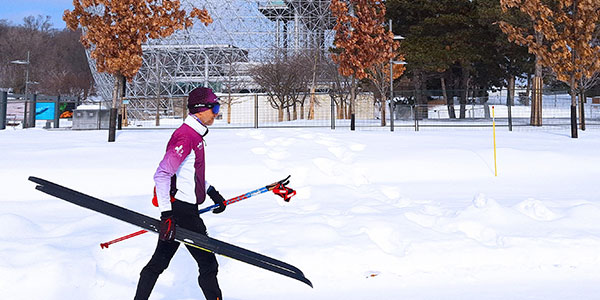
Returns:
<point x="44" y="110"/>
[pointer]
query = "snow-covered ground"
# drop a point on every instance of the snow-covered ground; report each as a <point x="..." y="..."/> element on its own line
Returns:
<point x="378" y="214"/>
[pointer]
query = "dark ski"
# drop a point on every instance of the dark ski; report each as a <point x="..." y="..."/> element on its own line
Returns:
<point x="182" y="235"/>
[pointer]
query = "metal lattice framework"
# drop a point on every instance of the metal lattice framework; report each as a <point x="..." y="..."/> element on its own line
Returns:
<point x="243" y="34"/>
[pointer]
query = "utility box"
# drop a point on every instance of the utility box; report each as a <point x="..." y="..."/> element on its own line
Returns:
<point x="88" y="118"/>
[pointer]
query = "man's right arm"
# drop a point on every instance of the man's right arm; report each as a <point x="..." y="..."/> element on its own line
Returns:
<point x="177" y="150"/>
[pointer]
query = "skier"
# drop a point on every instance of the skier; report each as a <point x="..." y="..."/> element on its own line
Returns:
<point x="180" y="188"/>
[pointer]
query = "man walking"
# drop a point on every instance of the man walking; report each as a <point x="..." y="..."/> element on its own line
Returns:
<point x="180" y="188"/>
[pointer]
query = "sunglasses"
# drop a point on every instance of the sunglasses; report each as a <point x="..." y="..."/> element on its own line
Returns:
<point x="214" y="106"/>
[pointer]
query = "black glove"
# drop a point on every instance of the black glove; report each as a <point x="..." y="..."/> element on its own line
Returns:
<point x="217" y="199"/>
<point x="167" y="226"/>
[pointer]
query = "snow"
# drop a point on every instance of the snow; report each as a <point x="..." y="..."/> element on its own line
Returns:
<point x="378" y="214"/>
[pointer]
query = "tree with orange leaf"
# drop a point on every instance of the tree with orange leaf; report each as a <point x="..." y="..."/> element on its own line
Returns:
<point x="116" y="30"/>
<point x="361" y="41"/>
<point x="567" y="27"/>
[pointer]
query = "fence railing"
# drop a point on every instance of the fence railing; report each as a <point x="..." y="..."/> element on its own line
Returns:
<point x="256" y="111"/>
<point x="323" y="110"/>
<point x="475" y="110"/>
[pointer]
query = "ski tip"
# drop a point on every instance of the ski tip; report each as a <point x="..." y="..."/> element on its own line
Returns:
<point x="34" y="179"/>
<point x="37" y="180"/>
<point x="305" y="280"/>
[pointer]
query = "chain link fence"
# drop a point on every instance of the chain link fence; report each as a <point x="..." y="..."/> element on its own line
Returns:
<point x="478" y="111"/>
<point x="261" y="111"/>
<point x="414" y="110"/>
<point x="324" y="110"/>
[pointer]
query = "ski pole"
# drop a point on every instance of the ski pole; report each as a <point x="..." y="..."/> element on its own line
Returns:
<point x="276" y="185"/>
<point x="264" y="189"/>
<point x="105" y="245"/>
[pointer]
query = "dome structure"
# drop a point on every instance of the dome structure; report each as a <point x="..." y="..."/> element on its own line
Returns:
<point x="243" y="34"/>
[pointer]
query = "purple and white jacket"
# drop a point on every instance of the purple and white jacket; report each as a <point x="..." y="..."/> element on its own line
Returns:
<point x="182" y="168"/>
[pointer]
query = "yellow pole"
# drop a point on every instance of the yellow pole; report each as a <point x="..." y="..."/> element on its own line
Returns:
<point x="494" y="130"/>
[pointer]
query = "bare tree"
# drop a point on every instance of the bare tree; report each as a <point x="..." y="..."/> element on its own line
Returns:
<point x="379" y="79"/>
<point x="339" y="89"/>
<point x="58" y="63"/>
<point x="37" y="23"/>
<point x="231" y="83"/>
<point x="283" y="78"/>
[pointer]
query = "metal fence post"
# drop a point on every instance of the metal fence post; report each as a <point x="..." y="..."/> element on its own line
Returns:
<point x="392" y="107"/>
<point x="3" y="104"/>
<point x="416" y="108"/>
<point x="510" y="121"/>
<point x="332" y="113"/>
<point x="256" y="111"/>
<point x="415" y="111"/>
<point x="32" y="111"/>
<point x="25" y="110"/>
<point x="57" y="112"/>
<point x="99" y="111"/>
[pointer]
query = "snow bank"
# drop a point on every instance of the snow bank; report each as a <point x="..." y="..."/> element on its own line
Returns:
<point x="378" y="215"/>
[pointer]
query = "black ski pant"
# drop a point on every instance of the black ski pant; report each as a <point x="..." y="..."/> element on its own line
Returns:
<point x="186" y="216"/>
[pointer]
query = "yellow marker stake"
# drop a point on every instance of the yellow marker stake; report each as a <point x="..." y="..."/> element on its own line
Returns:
<point x="494" y="130"/>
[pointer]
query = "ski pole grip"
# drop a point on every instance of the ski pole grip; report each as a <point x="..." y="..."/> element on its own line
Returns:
<point x="201" y="211"/>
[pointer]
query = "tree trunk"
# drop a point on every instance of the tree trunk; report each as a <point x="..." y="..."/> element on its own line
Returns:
<point x="383" y="117"/>
<point x="510" y="101"/>
<point x="295" y="111"/>
<point x="311" y="110"/>
<point x="528" y="90"/>
<point x="229" y="111"/>
<point x="536" y="102"/>
<point x="157" y="116"/>
<point x="158" y="75"/>
<point x="184" y="109"/>
<point x="112" y="124"/>
<point x="510" y="95"/>
<point x="348" y="112"/>
<point x="449" y="102"/>
<point x="418" y="83"/>
<point x="120" y="105"/>
<point x="311" y="104"/>
<point x="352" y="103"/>
<point x="573" y="109"/>
<point x="465" y="93"/>
<point x="536" y="99"/>
<point x="582" y="109"/>
<point x="280" y="113"/>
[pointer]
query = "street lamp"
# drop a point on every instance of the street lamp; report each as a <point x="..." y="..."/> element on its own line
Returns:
<point x="392" y="63"/>
<point x="24" y="62"/>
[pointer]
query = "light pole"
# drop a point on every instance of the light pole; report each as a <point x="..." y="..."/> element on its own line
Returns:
<point x="392" y="63"/>
<point x="25" y="62"/>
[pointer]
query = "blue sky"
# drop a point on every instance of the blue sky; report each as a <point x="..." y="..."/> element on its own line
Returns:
<point x="16" y="10"/>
